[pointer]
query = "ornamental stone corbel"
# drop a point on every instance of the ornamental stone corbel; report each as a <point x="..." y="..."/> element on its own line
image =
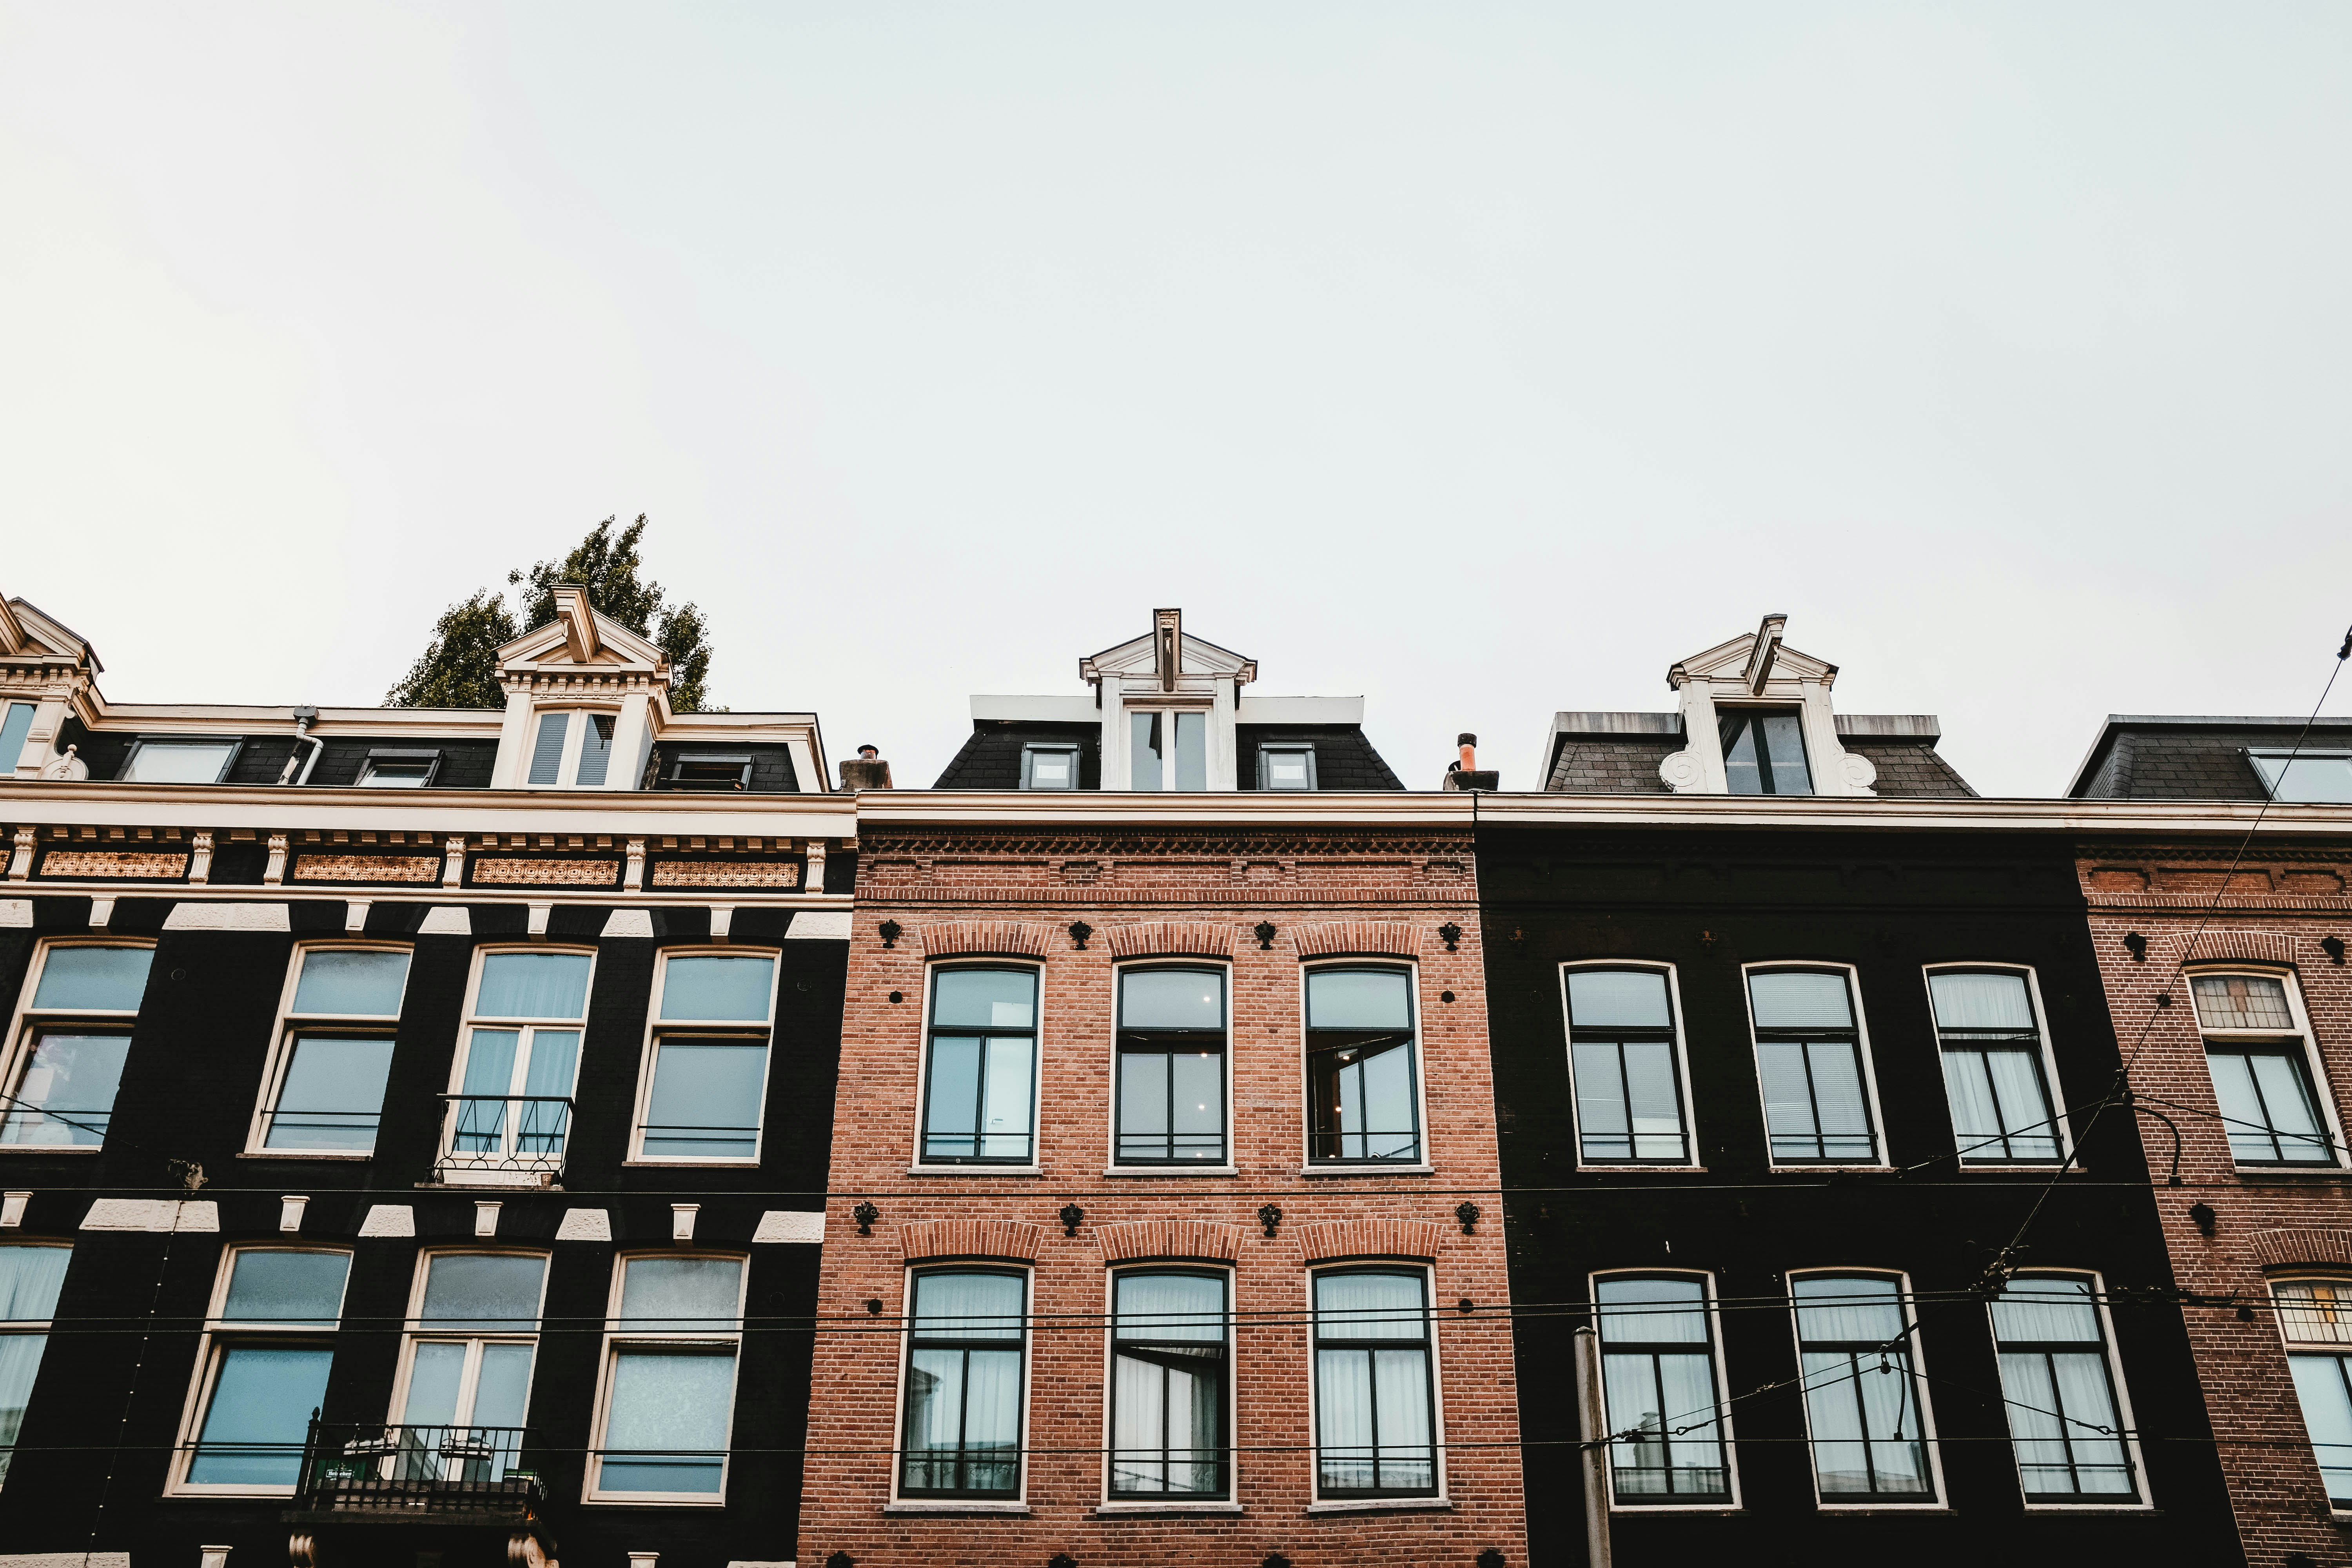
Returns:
<point x="20" y="866"/>
<point x="66" y="769"/>
<point x="1860" y="774"/>
<point x="1682" y="773"/>
<point x="274" y="873"/>
<point x="453" y="860"/>
<point x="812" y="880"/>
<point x="634" y="875"/>
<point x="200" y="857"/>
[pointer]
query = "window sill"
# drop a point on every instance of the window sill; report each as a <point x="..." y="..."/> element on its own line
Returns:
<point x="186" y="1493"/>
<point x="1886" y="1507"/>
<point x="1367" y="1168"/>
<point x="975" y="1170"/>
<point x="304" y="1154"/>
<point x="691" y="1164"/>
<point x="1171" y="1170"/>
<point x="1831" y="1170"/>
<point x="679" y="1500"/>
<point x="1636" y="1168"/>
<point x="2050" y="1508"/>
<point x="1164" y="1510"/>
<point x="2288" y="1172"/>
<point x="52" y="1149"/>
<point x="1385" y="1505"/>
<point x="950" y="1505"/>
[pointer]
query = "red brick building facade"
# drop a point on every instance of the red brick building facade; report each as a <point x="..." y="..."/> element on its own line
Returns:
<point x="2228" y="986"/>
<point x="1255" y="896"/>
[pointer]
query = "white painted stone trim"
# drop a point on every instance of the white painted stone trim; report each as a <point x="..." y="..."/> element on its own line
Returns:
<point x="585" y="1225"/>
<point x="162" y="1215"/>
<point x="631" y="923"/>
<point x="818" y="925"/>
<point x="447" y="919"/>
<point x="15" y="912"/>
<point x="389" y="1219"/>
<point x="802" y="1225"/>
<point x="65" y="1560"/>
<point x="214" y="915"/>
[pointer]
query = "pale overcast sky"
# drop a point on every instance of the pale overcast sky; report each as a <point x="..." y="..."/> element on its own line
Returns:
<point x="1482" y="359"/>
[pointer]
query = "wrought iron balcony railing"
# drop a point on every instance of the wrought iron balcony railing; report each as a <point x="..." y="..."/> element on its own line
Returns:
<point x="376" y="1469"/>
<point x="503" y="1140"/>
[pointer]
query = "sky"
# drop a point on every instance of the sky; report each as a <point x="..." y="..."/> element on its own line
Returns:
<point x="1480" y="361"/>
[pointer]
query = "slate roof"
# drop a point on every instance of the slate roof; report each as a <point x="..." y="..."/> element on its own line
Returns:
<point x="2150" y="757"/>
<point x="992" y="758"/>
<point x="1343" y="758"/>
<point x="1909" y="769"/>
<point x="1619" y="753"/>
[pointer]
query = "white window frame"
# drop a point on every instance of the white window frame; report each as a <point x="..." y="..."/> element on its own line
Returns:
<point x="27" y="1021"/>
<point x="291" y="1023"/>
<point x="235" y="745"/>
<point x="1078" y="758"/>
<point x="616" y="1339"/>
<point x="2313" y="1063"/>
<point x="658" y="1028"/>
<point x="1443" y="1498"/>
<point x="916" y="1165"/>
<point x="2145" y="1502"/>
<point x="1019" y="1502"/>
<point x="221" y="1334"/>
<point x="1165" y="706"/>
<point x="1112" y="1166"/>
<point x="504" y="1169"/>
<point x="1880" y="1141"/>
<point x="2286" y="755"/>
<point x="2050" y="1084"/>
<point x="1108" y="1501"/>
<point x="575" y="740"/>
<point x="1307" y="1164"/>
<point x="1690" y="1162"/>
<point x="2335" y="1350"/>
<point x="1301" y="748"/>
<point x="1941" y="1502"/>
<point x="414" y="1330"/>
<point x="1723" y="1398"/>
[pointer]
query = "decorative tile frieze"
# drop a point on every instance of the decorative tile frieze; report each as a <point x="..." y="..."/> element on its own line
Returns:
<point x="143" y="864"/>
<point x="367" y="868"/>
<point x="520" y="871"/>
<point x="726" y="874"/>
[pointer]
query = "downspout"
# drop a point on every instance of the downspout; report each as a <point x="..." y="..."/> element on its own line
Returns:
<point x="302" y="719"/>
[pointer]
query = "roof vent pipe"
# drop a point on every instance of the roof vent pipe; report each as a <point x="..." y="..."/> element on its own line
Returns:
<point x="303" y="719"/>
<point x="1463" y="773"/>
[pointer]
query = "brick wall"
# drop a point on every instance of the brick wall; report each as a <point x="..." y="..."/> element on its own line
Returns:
<point x="1150" y="894"/>
<point x="2273" y="912"/>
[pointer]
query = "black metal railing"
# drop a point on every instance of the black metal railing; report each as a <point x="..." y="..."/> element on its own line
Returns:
<point x="368" y="1466"/>
<point x="508" y="1135"/>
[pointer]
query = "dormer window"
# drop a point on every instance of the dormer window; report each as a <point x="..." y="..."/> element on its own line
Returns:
<point x="565" y="752"/>
<point x="178" y="762"/>
<point x="1764" y="751"/>
<point x="1286" y="766"/>
<point x="2321" y="778"/>
<point x="399" y="770"/>
<point x="711" y="770"/>
<point x="1049" y="767"/>
<point x="1170" y="751"/>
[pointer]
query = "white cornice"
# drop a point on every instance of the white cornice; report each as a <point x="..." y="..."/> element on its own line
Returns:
<point x="1104" y="809"/>
<point x="438" y="812"/>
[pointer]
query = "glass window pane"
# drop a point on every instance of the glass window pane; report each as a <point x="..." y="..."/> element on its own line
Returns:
<point x="968" y="1306"/>
<point x="260" y="1415"/>
<point x="731" y="989"/>
<point x="1784" y="741"/>
<point x="30" y="1278"/>
<point x="1800" y="999"/>
<point x="1974" y="1001"/>
<point x="705" y="1099"/>
<point x="1598" y="998"/>
<point x="488" y="1292"/>
<point x="2286" y="1093"/>
<point x="1286" y="769"/>
<point x="991" y="998"/>
<point x="2315" y="779"/>
<point x="396" y="772"/>
<point x="1652" y="1311"/>
<point x="533" y="985"/>
<point x="1359" y="999"/>
<point x="2316" y="1312"/>
<point x="950" y="1120"/>
<point x="1049" y="767"/>
<point x="16" y="723"/>
<point x="268" y="1286"/>
<point x="1163" y="1306"/>
<point x="1370" y="1307"/>
<point x="1839" y="1310"/>
<point x="2240" y="1002"/>
<point x="2025" y="1101"/>
<point x="437" y="1371"/>
<point x="1343" y="1421"/>
<point x="333" y="1094"/>
<point x="99" y="979"/>
<point x="1838" y="1100"/>
<point x="502" y="1396"/>
<point x="1401" y="1384"/>
<point x="547" y="752"/>
<point x="1601" y="1119"/>
<point x="351" y="984"/>
<point x="1004" y="1111"/>
<point x="2326" y="1401"/>
<point x="1197" y="1083"/>
<point x="20" y="1364"/>
<point x="1145" y="751"/>
<point x="685" y="1295"/>
<point x="178" y="762"/>
<point x="67" y="1095"/>
<point x="1741" y="774"/>
<point x="2233" y="1089"/>
<point x="596" y="750"/>
<point x="672" y="1400"/>
<point x="1657" y="1100"/>
<point x="1144" y="1102"/>
<point x="1191" y="751"/>
<point x="1787" y="1100"/>
<point x="2043" y="1311"/>
<point x="1171" y="999"/>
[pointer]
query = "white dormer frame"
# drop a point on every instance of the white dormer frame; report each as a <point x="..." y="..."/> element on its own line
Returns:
<point x="1760" y="670"/>
<point x="46" y="665"/>
<point x="582" y="660"/>
<point x="1168" y="671"/>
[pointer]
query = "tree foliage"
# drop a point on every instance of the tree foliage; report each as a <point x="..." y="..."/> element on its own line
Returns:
<point x="459" y="666"/>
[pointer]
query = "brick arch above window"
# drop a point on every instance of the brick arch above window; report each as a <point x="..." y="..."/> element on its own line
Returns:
<point x="1170" y="938"/>
<point x="1193" y="1238"/>
<point x="2303" y="1247"/>
<point x="1378" y="939"/>
<point x="2238" y="947"/>
<point x="1328" y="1242"/>
<point x="986" y="937"/>
<point x="1005" y="1238"/>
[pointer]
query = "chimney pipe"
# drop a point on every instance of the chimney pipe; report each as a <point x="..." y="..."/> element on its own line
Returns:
<point x="1469" y="745"/>
<point x="1463" y="773"/>
<point x="867" y="772"/>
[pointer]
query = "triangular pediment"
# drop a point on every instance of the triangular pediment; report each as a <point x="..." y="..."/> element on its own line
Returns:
<point x="1135" y="658"/>
<point x="1734" y="660"/>
<point x="582" y="635"/>
<point x="26" y="632"/>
